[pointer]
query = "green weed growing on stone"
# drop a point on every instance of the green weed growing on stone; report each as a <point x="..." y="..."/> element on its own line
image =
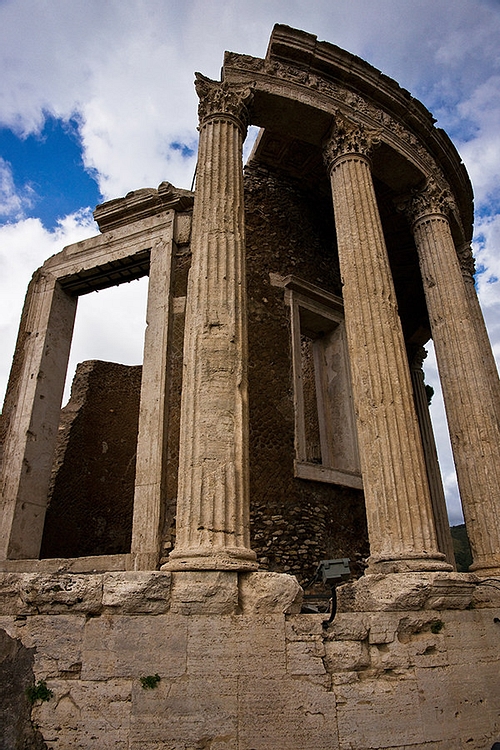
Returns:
<point x="39" y="692"/>
<point x="150" y="682"/>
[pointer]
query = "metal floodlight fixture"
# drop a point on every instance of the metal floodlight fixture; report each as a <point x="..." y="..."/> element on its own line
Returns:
<point x="333" y="571"/>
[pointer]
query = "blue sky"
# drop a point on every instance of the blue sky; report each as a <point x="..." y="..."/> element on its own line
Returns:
<point x="48" y="173"/>
<point x="97" y="98"/>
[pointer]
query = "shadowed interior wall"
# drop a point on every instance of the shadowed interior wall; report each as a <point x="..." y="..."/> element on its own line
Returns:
<point x="295" y="522"/>
<point x="92" y="488"/>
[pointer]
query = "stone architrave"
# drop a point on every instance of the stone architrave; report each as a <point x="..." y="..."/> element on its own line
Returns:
<point x="398" y="505"/>
<point x="465" y="379"/>
<point x="213" y="495"/>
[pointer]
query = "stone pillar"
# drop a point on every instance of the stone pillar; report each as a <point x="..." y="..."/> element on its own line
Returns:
<point x="150" y="477"/>
<point x="465" y="380"/>
<point x="398" y="505"/>
<point x="213" y="497"/>
<point x="467" y="266"/>
<point x="441" y="522"/>
<point x="48" y="321"/>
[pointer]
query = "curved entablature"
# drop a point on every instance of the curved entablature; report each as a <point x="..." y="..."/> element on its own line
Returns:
<point x="303" y="87"/>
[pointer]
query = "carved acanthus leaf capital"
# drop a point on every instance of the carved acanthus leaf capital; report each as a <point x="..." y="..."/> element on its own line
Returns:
<point x="348" y="138"/>
<point x="433" y="199"/>
<point x="467" y="262"/>
<point x="417" y="354"/>
<point x="223" y="100"/>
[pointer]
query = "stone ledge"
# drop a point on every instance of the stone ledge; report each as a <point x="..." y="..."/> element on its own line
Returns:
<point x="266" y="593"/>
<point x="204" y="592"/>
<point x="395" y="592"/>
<point x="91" y="564"/>
<point x="79" y="593"/>
<point x="137" y="593"/>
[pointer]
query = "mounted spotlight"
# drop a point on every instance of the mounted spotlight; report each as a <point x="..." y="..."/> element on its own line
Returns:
<point x="333" y="572"/>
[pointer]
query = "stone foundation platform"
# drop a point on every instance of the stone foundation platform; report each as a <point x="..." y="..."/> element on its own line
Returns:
<point x="233" y="665"/>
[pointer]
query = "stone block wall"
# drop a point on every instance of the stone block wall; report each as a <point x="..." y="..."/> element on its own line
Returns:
<point x="240" y="668"/>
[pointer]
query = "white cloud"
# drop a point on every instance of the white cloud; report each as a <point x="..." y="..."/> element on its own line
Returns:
<point x="110" y="326"/>
<point x="12" y="201"/>
<point x="439" y="424"/>
<point x="487" y="253"/>
<point x="24" y="246"/>
<point x="481" y="151"/>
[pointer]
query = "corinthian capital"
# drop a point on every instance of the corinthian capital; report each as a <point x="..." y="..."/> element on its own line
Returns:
<point x="223" y="100"/>
<point x="432" y="199"/>
<point x="467" y="262"/>
<point x="348" y="138"/>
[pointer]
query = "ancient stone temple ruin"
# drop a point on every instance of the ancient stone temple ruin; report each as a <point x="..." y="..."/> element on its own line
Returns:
<point x="154" y="532"/>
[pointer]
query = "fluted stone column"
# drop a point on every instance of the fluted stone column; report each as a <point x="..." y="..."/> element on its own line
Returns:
<point x="398" y="505"/>
<point x="466" y="381"/>
<point x="213" y="497"/>
<point x="467" y="266"/>
<point x="441" y="522"/>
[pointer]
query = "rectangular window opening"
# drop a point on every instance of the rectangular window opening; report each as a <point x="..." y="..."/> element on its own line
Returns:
<point x="326" y="447"/>
<point x="91" y="492"/>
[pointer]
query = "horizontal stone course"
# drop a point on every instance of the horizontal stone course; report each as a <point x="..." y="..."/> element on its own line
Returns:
<point x="253" y="680"/>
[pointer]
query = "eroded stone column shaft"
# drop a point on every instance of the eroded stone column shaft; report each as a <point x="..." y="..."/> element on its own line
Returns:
<point x="150" y="478"/>
<point x="465" y="380"/>
<point x="47" y="326"/>
<point x="468" y="269"/>
<point x="441" y="522"/>
<point x="213" y="498"/>
<point x="398" y="505"/>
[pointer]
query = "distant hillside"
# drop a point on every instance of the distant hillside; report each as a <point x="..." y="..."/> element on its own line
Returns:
<point x="461" y="547"/>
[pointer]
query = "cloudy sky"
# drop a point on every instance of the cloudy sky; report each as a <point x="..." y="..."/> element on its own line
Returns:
<point x="97" y="98"/>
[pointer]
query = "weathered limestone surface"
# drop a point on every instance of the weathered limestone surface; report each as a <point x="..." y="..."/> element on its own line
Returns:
<point x="150" y="480"/>
<point x="412" y="591"/>
<point x="250" y="677"/>
<point x="269" y="592"/>
<point x="469" y="385"/>
<point x="213" y="495"/>
<point x="398" y="504"/>
<point x="43" y="350"/>
<point x="440" y="513"/>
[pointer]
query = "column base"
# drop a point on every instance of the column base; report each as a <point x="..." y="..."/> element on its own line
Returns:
<point x="234" y="558"/>
<point x="408" y="564"/>
<point x="144" y="560"/>
<point x="486" y="567"/>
